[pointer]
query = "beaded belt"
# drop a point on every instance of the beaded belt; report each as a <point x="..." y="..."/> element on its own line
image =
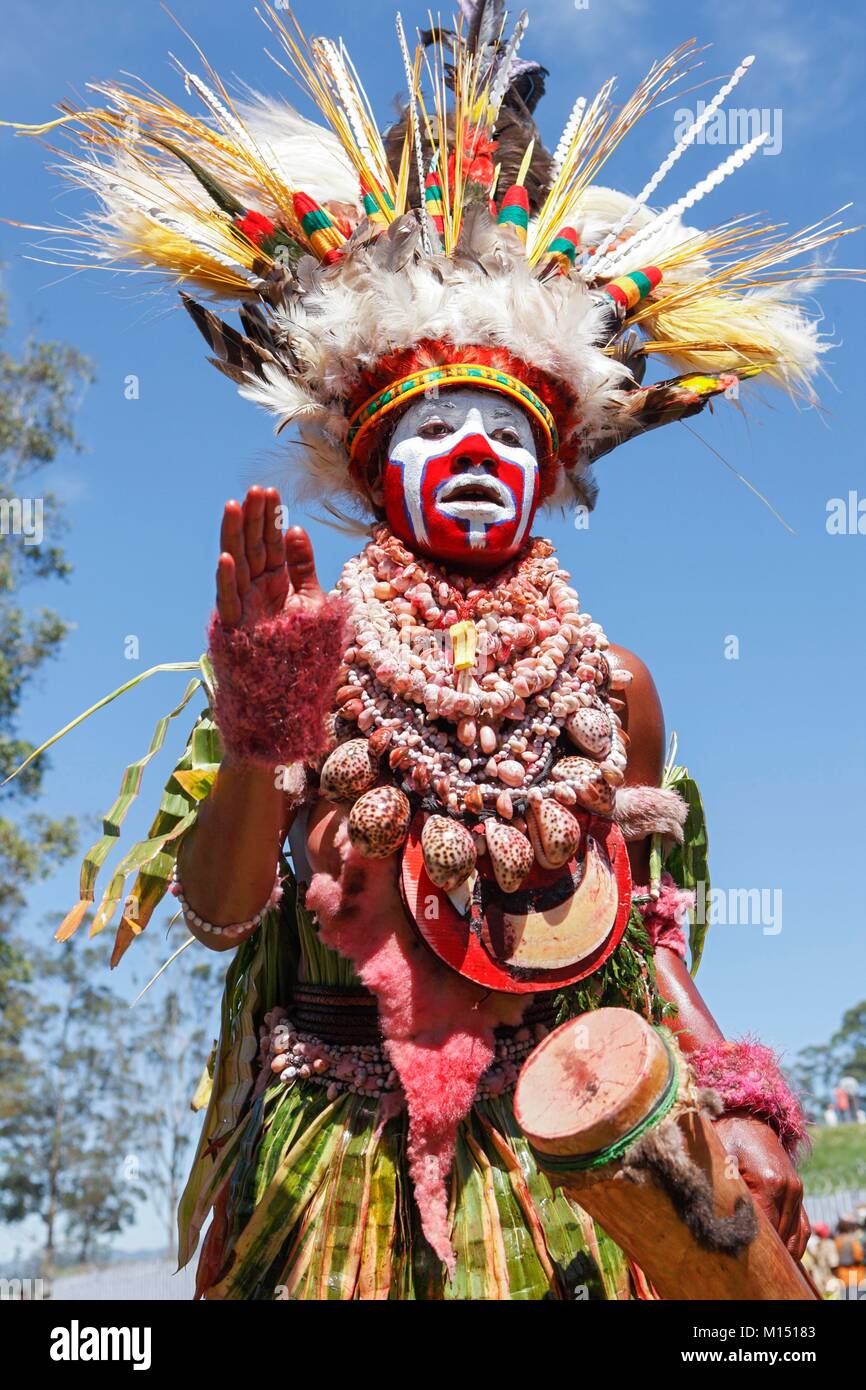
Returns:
<point x="330" y="1036"/>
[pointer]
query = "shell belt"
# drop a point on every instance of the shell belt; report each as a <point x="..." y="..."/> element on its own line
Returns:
<point x="329" y="1036"/>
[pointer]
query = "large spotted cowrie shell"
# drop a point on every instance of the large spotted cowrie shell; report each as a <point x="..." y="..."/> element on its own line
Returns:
<point x="511" y="855"/>
<point x="590" y="730"/>
<point x="449" y="851"/>
<point x="348" y="770"/>
<point x="379" y="822"/>
<point x="554" y="832"/>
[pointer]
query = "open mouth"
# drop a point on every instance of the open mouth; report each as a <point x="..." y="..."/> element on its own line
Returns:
<point x="469" y="489"/>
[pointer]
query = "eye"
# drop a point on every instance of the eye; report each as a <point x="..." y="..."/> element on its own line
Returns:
<point x="434" y="429"/>
<point x="506" y="435"/>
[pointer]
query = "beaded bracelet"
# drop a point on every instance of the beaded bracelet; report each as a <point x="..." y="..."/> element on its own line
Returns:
<point x="236" y="929"/>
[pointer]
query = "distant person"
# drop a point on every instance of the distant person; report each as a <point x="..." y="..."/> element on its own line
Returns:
<point x="842" y="1102"/>
<point x="820" y="1258"/>
<point x="850" y="1261"/>
<point x="851" y="1086"/>
<point x="830" y="1116"/>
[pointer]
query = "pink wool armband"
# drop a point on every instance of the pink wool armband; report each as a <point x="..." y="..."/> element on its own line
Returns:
<point x="746" y="1075"/>
<point x="276" y="680"/>
<point x="663" y="917"/>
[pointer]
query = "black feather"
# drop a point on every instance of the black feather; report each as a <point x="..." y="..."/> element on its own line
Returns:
<point x="237" y="357"/>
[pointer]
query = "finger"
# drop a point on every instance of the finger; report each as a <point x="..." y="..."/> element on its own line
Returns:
<point x="254" y="532"/>
<point x="791" y="1211"/>
<point x="232" y="543"/>
<point x="299" y="558"/>
<point x="798" y="1242"/>
<point x="764" y="1195"/>
<point x="274" y="547"/>
<point x="228" y="598"/>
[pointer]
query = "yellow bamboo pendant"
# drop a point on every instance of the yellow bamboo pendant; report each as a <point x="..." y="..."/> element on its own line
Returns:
<point x="464" y="644"/>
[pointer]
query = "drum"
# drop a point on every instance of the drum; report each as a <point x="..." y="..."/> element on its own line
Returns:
<point x="613" y="1116"/>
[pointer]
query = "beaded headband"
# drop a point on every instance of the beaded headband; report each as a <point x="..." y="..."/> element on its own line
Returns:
<point x="459" y="373"/>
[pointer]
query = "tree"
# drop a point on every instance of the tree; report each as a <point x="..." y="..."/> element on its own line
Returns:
<point x="819" y="1068"/>
<point x="65" y="1149"/>
<point x="849" y="1042"/>
<point x="39" y="388"/>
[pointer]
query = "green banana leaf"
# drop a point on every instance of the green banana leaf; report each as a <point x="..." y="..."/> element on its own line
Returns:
<point x="688" y="863"/>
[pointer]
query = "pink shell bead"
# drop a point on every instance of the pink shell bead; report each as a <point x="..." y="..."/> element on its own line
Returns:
<point x="511" y="773"/>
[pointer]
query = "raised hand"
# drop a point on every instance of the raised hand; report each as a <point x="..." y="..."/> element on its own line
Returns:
<point x="261" y="571"/>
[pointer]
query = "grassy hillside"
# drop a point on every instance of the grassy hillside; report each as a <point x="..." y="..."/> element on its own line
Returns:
<point x="838" y="1158"/>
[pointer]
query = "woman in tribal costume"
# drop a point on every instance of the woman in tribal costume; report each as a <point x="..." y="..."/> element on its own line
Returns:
<point x="428" y="813"/>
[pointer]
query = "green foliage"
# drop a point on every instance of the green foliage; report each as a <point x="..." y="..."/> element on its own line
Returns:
<point x="819" y="1067"/>
<point x="837" y="1160"/>
<point x="627" y="980"/>
<point x="688" y="863"/>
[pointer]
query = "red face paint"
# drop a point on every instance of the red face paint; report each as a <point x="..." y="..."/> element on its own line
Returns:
<point x="464" y="498"/>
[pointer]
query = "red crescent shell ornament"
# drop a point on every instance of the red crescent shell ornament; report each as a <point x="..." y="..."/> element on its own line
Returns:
<point x="560" y="927"/>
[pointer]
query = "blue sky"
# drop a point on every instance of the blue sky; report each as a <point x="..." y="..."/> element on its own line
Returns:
<point x="679" y="556"/>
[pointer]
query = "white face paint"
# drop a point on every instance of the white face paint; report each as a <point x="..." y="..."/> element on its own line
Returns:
<point x="462" y="476"/>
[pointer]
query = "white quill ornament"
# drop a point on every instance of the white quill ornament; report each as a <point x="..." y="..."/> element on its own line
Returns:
<point x="416" y="130"/>
<point x="568" y="134"/>
<point x="503" y="77"/>
<point x="668" y="163"/>
<point x="626" y="254"/>
<point x="218" y="110"/>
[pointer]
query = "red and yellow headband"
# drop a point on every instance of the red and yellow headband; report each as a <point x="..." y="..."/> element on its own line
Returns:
<point x="449" y="374"/>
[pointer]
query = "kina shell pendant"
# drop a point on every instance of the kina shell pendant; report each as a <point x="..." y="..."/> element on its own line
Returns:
<point x="555" y="927"/>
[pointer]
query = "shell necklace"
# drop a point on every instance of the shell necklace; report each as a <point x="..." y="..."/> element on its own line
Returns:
<point x="468" y="684"/>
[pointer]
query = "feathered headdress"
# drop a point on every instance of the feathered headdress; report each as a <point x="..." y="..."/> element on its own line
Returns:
<point x="452" y="249"/>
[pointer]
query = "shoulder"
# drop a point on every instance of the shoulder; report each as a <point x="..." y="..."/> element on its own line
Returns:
<point x="641" y="678"/>
<point x="642" y="719"/>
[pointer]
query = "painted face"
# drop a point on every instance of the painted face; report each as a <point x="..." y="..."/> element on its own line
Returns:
<point x="461" y="478"/>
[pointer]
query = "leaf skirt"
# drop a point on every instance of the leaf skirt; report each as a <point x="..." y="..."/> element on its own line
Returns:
<point x="319" y="1206"/>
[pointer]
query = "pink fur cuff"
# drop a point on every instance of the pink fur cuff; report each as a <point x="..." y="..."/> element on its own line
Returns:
<point x="664" y="916"/>
<point x="747" y="1077"/>
<point x="643" y="811"/>
<point x="276" y="681"/>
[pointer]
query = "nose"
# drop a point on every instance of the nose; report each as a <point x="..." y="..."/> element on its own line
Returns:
<point x="475" y="453"/>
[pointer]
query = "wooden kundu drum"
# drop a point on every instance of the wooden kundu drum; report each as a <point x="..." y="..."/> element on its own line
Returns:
<point x="613" y="1116"/>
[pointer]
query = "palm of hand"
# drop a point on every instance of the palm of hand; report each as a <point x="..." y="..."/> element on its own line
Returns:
<point x="260" y="571"/>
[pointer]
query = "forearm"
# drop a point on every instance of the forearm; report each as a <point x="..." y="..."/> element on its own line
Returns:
<point x="227" y="864"/>
<point x="693" y="1023"/>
